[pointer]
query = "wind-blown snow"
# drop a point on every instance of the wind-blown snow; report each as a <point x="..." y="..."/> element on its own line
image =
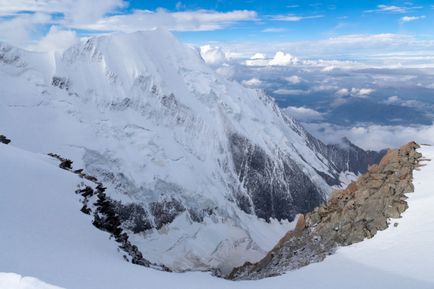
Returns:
<point x="44" y="235"/>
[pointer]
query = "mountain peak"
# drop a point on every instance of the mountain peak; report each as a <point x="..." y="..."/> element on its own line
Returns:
<point x="203" y="159"/>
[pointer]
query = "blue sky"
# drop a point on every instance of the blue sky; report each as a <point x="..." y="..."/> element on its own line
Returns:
<point x="310" y="19"/>
<point x="355" y="55"/>
<point x="26" y="23"/>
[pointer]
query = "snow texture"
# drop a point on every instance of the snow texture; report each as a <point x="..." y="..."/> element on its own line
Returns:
<point x="44" y="235"/>
<point x="219" y="170"/>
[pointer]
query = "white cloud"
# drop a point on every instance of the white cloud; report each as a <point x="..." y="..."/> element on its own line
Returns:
<point x="294" y="79"/>
<point x="24" y="29"/>
<point x="199" y="20"/>
<point x="393" y="99"/>
<point x="361" y="92"/>
<point x="57" y="40"/>
<point x="406" y="19"/>
<point x="273" y="30"/>
<point x="382" y="8"/>
<point x="102" y="16"/>
<point x="254" y="82"/>
<point x="257" y="56"/>
<point x="303" y="113"/>
<point x="284" y="91"/>
<point x="282" y="59"/>
<point x="328" y="68"/>
<point x="356" y="92"/>
<point x="391" y="8"/>
<point x="394" y="9"/>
<point x="386" y="49"/>
<point x="374" y="136"/>
<point x="75" y="11"/>
<point x="80" y="12"/>
<point x="212" y="54"/>
<point x="12" y="7"/>
<point x="343" y="92"/>
<point x="295" y="18"/>
<point x="257" y="59"/>
<point x="18" y="30"/>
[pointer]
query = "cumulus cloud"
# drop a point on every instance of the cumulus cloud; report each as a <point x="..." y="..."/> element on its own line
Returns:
<point x="361" y="92"/>
<point x="253" y="82"/>
<point x="257" y="59"/>
<point x="57" y="40"/>
<point x="213" y="55"/>
<point x="258" y="56"/>
<point x="303" y="113"/>
<point x="343" y="92"/>
<point x="392" y="99"/>
<point x="356" y="92"/>
<point x="281" y="58"/>
<point x="294" y="79"/>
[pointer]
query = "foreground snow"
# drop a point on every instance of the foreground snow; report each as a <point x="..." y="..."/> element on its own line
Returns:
<point x="44" y="235"/>
<point x="15" y="281"/>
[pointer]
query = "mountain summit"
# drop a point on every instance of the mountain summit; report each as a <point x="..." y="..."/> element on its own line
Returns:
<point x="214" y="172"/>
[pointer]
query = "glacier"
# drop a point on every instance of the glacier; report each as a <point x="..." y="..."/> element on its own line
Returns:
<point x="218" y="169"/>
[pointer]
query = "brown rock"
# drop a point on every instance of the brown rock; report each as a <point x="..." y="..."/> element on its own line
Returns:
<point x="350" y="216"/>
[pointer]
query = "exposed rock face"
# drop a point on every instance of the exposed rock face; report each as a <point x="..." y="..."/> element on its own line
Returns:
<point x="349" y="157"/>
<point x="108" y="214"/>
<point x="276" y="189"/>
<point x="350" y="216"/>
<point x="282" y="190"/>
<point x="4" y="139"/>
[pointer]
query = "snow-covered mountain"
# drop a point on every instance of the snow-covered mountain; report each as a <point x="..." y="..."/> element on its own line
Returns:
<point x="44" y="235"/>
<point x="215" y="172"/>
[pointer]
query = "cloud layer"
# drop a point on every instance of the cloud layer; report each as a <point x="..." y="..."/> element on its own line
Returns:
<point x="23" y="22"/>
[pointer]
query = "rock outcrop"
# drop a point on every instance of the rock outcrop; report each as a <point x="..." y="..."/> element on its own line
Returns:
<point x="348" y="217"/>
<point x="106" y="214"/>
<point x="4" y="139"/>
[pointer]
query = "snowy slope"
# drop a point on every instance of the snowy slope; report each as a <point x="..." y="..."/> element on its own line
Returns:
<point x="45" y="236"/>
<point x="16" y="281"/>
<point x="207" y="159"/>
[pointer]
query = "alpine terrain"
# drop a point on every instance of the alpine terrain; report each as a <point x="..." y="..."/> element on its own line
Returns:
<point x="44" y="236"/>
<point x="188" y="170"/>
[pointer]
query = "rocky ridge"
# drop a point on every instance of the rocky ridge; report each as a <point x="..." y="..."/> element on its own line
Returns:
<point x="105" y="212"/>
<point x="349" y="216"/>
